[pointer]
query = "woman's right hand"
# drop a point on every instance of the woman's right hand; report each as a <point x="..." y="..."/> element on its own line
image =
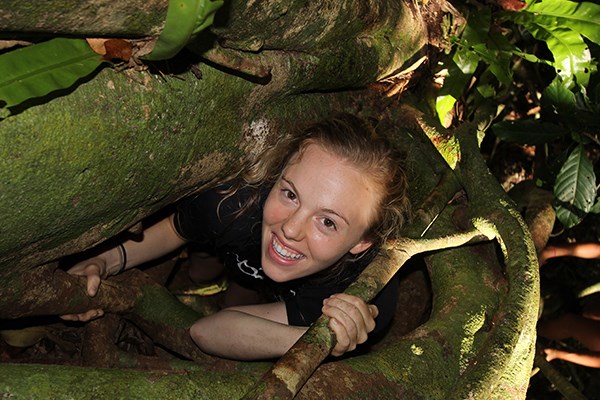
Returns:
<point x="93" y="269"/>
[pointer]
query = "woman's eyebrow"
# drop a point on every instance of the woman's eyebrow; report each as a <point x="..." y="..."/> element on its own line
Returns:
<point x="283" y="178"/>
<point x="330" y="211"/>
<point x="326" y="210"/>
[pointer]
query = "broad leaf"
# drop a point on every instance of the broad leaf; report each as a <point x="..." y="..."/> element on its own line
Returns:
<point x="561" y="105"/>
<point x="477" y="28"/>
<point x="571" y="54"/>
<point x="557" y="98"/>
<point x="461" y="68"/>
<point x="455" y="83"/>
<point x="501" y="58"/>
<point x="575" y="188"/>
<point x="527" y="131"/>
<point x="40" y="69"/>
<point x="443" y="105"/>
<point x="581" y="17"/>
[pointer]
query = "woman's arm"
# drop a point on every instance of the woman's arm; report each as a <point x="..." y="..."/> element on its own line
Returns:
<point x="580" y="250"/>
<point x="247" y="332"/>
<point x="261" y="331"/>
<point x="591" y="360"/>
<point x="157" y="240"/>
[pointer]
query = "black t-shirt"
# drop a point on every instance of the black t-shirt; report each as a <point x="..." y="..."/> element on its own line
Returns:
<point x="210" y="218"/>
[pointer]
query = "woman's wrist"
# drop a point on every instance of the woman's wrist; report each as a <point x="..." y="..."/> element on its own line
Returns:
<point x="116" y="260"/>
<point x="123" y="254"/>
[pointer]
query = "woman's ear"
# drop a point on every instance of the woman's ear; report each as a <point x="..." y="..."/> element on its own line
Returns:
<point x="361" y="246"/>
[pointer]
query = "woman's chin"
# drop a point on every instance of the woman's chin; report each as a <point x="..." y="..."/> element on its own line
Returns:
<point x="276" y="273"/>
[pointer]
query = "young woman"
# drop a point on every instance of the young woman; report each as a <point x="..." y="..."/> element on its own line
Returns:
<point x="295" y="228"/>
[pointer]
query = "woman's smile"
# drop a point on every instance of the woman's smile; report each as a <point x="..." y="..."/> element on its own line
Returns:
<point x="284" y="252"/>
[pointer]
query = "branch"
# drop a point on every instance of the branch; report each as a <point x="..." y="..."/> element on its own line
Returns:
<point x="562" y="384"/>
<point x="518" y="309"/>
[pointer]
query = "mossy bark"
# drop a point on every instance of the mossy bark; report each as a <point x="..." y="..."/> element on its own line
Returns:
<point x="93" y="18"/>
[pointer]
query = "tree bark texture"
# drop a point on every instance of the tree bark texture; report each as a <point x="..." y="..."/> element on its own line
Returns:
<point x="92" y="18"/>
<point x="96" y="160"/>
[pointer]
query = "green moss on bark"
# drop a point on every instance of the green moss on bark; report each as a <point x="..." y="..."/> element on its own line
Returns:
<point x="110" y="150"/>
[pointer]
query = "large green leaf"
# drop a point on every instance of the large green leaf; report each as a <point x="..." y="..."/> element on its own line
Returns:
<point x="571" y="54"/>
<point x="40" y="69"/>
<point x="575" y="110"/>
<point x="575" y="188"/>
<point x="581" y="17"/>
<point x="558" y="99"/>
<point x="500" y="57"/>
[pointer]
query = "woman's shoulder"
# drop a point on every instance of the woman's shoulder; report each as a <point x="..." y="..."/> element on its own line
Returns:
<point x="224" y="209"/>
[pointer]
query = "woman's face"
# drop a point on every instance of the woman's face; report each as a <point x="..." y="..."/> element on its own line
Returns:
<point x="318" y="210"/>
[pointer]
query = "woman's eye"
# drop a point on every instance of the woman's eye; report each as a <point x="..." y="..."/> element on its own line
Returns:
<point x="329" y="223"/>
<point x="289" y="194"/>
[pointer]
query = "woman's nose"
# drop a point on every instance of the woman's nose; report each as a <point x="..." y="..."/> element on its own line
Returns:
<point x="292" y="227"/>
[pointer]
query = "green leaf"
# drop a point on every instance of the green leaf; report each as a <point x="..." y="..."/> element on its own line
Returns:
<point x="185" y="19"/>
<point x="500" y="58"/>
<point x="477" y="28"/>
<point x="571" y="54"/>
<point x="581" y="17"/>
<point x="558" y="97"/>
<point x="464" y="63"/>
<point x="530" y="57"/>
<point x="40" y="69"/>
<point x="455" y="84"/>
<point x="527" y="131"/>
<point x="443" y="105"/>
<point x="575" y="188"/>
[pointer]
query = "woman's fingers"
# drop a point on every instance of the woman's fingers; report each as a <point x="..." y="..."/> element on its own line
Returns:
<point x="86" y="316"/>
<point x="92" y="271"/>
<point x="351" y="319"/>
<point x="343" y="342"/>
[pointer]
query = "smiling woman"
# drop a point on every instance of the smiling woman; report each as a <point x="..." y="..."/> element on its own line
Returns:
<point x="311" y="216"/>
<point x="294" y="228"/>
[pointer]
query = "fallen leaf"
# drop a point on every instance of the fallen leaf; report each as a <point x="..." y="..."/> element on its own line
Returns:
<point x="97" y="45"/>
<point x="118" y="48"/>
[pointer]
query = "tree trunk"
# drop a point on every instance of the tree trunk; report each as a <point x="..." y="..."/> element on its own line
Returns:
<point x="91" y="18"/>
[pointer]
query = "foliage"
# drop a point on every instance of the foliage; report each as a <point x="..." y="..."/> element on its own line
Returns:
<point x="547" y="47"/>
<point x="46" y="67"/>
<point x="185" y="19"/>
<point x="57" y="64"/>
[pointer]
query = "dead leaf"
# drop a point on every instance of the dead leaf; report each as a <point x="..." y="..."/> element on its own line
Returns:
<point x="118" y="48"/>
<point x="511" y="5"/>
<point x="111" y="49"/>
<point x="97" y="45"/>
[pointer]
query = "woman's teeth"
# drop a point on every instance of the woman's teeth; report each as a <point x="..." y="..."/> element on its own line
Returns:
<point x="285" y="253"/>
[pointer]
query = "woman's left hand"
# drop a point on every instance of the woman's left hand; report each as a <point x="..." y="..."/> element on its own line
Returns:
<point x="351" y="319"/>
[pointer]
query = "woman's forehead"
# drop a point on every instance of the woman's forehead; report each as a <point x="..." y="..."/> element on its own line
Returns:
<point x="332" y="182"/>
